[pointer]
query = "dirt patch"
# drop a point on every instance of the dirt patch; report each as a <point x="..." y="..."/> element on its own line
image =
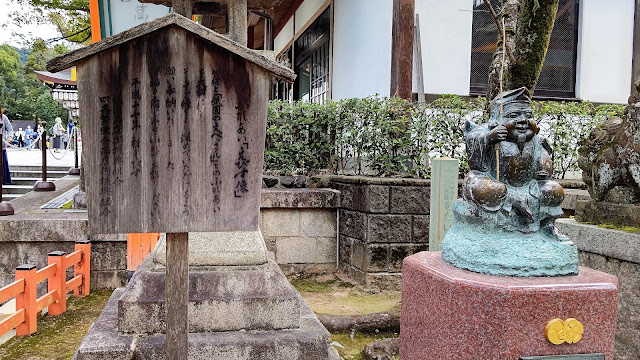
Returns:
<point x="58" y="337"/>
<point x="335" y="294"/>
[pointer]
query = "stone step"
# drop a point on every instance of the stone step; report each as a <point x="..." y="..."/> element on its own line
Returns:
<point x="37" y="174"/>
<point x="37" y="168"/>
<point x="16" y="189"/>
<point x="308" y="342"/>
<point x="27" y="180"/>
<point x="9" y="197"/>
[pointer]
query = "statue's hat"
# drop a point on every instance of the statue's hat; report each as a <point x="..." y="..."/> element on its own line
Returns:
<point x="507" y="97"/>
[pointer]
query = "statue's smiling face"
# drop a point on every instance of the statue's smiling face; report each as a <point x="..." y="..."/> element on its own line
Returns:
<point x="518" y="119"/>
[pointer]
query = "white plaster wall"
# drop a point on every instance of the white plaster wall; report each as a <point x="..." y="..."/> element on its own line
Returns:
<point x="362" y="48"/>
<point x="284" y="36"/>
<point x="605" y="47"/>
<point x="445" y="30"/>
<point x="306" y="11"/>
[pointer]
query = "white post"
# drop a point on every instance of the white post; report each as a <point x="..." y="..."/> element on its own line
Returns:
<point x="444" y="192"/>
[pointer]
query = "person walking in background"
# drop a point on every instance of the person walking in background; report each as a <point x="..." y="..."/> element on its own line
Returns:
<point x="30" y="135"/>
<point x="21" y="137"/>
<point x="70" y="127"/>
<point x="42" y="131"/>
<point x="56" y="132"/>
<point x="7" y="134"/>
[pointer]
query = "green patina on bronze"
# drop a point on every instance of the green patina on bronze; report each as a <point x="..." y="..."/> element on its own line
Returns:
<point x="504" y="222"/>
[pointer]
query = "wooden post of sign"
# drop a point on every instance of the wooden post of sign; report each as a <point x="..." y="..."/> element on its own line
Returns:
<point x="444" y="192"/>
<point x="177" y="295"/>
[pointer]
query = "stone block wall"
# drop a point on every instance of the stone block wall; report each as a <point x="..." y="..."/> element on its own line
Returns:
<point x="299" y="227"/>
<point x="381" y="221"/>
<point x="618" y="253"/>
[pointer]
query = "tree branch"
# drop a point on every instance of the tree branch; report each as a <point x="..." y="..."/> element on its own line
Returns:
<point x="68" y="36"/>
<point x="500" y="30"/>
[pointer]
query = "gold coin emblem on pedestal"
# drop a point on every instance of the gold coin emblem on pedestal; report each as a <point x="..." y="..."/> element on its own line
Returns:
<point x="558" y="331"/>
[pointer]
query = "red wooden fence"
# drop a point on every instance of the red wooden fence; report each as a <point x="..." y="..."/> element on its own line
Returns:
<point x="28" y="304"/>
<point x="139" y="245"/>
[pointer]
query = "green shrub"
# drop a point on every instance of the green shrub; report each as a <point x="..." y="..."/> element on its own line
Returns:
<point x="384" y="136"/>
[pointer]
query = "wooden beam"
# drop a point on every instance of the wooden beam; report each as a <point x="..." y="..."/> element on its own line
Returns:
<point x="635" y="60"/>
<point x="177" y="295"/>
<point x="286" y="17"/>
<point x="402" y="48"/>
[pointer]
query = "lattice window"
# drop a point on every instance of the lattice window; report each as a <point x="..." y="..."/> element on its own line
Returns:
<point x="558" y="76"/>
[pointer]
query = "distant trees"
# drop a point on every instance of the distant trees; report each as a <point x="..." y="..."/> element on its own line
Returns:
<point x="70" y="17"/>
<point x="22" y="95"/>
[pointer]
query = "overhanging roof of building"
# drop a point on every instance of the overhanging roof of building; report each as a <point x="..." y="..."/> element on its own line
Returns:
<point x="65" y="61"/>
<point x="61" y="77"/>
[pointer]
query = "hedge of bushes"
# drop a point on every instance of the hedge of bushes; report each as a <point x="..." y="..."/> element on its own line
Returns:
<point x="383" y="136"/>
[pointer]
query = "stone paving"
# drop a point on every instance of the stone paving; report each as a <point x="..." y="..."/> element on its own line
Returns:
<point x="20" y="157"/>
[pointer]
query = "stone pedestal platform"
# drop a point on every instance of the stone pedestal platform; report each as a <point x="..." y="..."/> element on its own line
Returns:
<point x="235" y="313"/>
<point x="450" y="313"/>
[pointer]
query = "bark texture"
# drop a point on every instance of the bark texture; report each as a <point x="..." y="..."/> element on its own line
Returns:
<point x="528" y="26"/>
<point x="369" y="323"/>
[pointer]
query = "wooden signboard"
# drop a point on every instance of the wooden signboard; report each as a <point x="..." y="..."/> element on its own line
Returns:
<point x="174" y="120"/>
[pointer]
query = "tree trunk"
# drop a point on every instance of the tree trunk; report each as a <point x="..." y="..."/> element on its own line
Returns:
<point x="528" y="26"/>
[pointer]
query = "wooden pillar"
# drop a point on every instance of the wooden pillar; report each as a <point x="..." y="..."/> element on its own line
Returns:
<point x="237" y="21"/>
<point x="27" y="299"/>
<point x="402" y="48"/>
<point x="635" y="60"/>
<point x="251" y="40"/>
<point x="177" y="295"/>
<point x="58" y="283"/>
<point x="183" y="7"/>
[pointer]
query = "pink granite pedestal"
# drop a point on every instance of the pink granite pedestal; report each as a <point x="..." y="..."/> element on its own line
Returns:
<point x="450" y="313"/>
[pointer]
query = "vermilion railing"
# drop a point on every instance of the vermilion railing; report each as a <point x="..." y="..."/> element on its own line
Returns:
<point x="139" y="245"/>
<point x="28" y="304"/>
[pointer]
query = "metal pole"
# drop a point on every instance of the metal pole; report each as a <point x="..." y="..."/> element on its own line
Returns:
<point x="44" y="185"/>
<point x="43" y="147"/>
<point x="75" y="170"/>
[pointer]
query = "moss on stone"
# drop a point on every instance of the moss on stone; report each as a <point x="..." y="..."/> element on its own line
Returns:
<point x="353" y="347"/>
<point x="620" y="227"/>
<point x="58" y="337"/>
<point x="312" y="286"/>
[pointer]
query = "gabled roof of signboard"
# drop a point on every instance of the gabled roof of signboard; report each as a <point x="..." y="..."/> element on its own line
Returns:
<point x="173" y="19"/>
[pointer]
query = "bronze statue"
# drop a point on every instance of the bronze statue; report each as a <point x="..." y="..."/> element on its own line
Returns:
<point x="522" y="195"/>
<point x="509" y="203"/>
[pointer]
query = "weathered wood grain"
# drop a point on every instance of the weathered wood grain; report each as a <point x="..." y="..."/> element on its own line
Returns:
<point x="177" y="296"/>
<point x="170" y="20"/>
<point x="174" y="136"/>
<point x="402" y="49"/>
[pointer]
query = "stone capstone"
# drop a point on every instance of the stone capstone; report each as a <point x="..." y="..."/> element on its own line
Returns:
<point x="259" y="297"/>
<point x="229" y="248"/>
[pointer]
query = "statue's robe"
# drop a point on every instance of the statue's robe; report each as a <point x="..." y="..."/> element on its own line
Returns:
<point x="525" y="170"/>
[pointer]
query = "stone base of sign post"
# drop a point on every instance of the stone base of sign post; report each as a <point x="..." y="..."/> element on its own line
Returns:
<point x="230" y="248"/>
<point x="451" y="313"/>
<point x="241" y="306"/>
